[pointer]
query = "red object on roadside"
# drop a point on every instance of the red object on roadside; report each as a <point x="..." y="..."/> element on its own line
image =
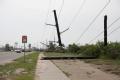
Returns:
<point x="24" y="39"/>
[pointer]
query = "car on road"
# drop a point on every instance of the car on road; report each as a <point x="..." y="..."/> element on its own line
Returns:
<point x="18" y="51"/>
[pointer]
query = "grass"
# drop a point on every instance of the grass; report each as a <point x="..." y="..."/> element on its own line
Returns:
<point x="18" y="70"/>
<point x="55" y="54"/>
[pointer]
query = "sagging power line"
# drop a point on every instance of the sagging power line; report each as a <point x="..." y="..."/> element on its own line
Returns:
<point x="93" y="20"/>
<point x="78" y="12"/>
<point x="46" y="18"/>
<point x="49" y="6"/>
<point x="103" y="31"/>
<point x="62" y="5"/>
<point x="114" y="30"/>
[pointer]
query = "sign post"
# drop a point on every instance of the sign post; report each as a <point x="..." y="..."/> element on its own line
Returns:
<point x="24" y="40"/>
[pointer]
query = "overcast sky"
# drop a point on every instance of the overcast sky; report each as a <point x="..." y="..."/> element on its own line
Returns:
<point x="28" y="17"/>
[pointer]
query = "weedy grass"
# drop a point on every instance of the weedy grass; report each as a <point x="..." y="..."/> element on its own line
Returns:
<point x="20" y="70"/>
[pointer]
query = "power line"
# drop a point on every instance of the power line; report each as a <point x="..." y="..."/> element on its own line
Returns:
<point x="93" y="20"/>
<point x="103" y="31"/>
<point x="54" y="4"/>
<point x="62" y="5"/>
<point x="114" y="30"/>
<point x="50" y="1"/>
<point x="49" y="4"/>
<point x="79" y="10"/>
<point x="75" y="16"/>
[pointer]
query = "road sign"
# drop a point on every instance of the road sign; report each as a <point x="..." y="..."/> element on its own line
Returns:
<point x="24" y="39"/>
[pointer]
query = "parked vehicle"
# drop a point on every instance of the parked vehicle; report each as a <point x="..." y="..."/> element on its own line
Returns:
<point x="18" y="51"/>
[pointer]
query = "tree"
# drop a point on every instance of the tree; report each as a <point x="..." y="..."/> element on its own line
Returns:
<point x="73" y="48"/>
<point x="7" y="47"/>
<point x="51" y="46"/>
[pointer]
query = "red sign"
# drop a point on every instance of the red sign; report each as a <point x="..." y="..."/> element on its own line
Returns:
<point x="24" y="39"/>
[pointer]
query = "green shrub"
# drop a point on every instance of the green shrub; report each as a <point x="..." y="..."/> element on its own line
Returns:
<point x="111" y="51"/>
<point x="73" y="48"/>
<point x="91" y="51"/>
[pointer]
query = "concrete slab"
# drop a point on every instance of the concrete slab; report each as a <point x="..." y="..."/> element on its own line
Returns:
<point x="80" y="70"/>
<point x="46" y="70"/>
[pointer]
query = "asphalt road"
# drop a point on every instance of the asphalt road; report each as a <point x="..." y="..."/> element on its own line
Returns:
<point x="6" y="57"/>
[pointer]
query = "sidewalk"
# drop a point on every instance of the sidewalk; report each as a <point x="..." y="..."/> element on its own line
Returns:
<point x="80" y="70"/>
<point x="46" y="70"/>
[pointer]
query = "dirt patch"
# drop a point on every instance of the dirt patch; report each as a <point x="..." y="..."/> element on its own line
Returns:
<point x="109" y="66"/>
<point x="4" y="77"/>
<point x="76" y="70"/>
<point x="20" y="71"/>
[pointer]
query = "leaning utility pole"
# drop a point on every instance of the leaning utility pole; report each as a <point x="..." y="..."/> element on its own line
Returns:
<point x="57" y="27"/>
<point x="105" y="30"/>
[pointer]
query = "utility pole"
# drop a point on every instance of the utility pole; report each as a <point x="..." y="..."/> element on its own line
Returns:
<point x="57" y="27"/>
<point x="105" y="30"/>
<point x="24" y="53"/>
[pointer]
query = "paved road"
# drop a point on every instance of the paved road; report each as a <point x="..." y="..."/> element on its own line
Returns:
<point x="6" y="57"/>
